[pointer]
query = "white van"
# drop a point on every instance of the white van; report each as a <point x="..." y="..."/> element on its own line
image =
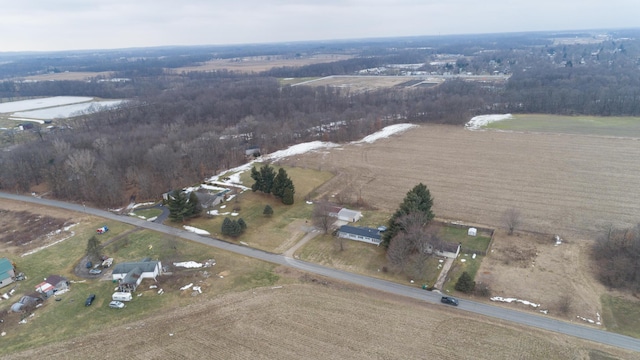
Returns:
<point x="121" y="296"/>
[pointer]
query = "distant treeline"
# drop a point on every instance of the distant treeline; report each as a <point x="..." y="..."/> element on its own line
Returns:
<point x="178" y="129"/>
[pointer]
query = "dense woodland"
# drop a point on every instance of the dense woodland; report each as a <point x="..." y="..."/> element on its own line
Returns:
<point x="178" y="129"/>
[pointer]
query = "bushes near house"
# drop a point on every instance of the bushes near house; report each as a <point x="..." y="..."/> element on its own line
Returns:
<point x="465" y="283"/>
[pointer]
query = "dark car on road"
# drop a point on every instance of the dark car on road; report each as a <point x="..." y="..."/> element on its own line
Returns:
<point x="90" y="300"/>
<point x="449" y="300"/>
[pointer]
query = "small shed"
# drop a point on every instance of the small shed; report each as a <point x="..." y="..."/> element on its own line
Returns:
<point x="52" y="284"/>
<point x="472" y="231"/>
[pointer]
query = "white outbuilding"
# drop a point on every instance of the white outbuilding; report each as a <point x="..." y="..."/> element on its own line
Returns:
<point x="472" y="231"/>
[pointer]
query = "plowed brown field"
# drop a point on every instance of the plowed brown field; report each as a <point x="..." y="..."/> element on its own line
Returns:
<point x="572" y="185"/>
<point x="318" y="322"/>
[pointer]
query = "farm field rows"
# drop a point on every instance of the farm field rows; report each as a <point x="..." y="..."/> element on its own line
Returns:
<point x="572" y="185"/>
<point x="314" y="321"/>
<point x="262" y="63"/>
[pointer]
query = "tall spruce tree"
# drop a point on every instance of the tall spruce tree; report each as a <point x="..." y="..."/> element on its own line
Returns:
<point x="287" y="198"/>
<point x="258" y="184"/>
<point x="417" y="199"/>
<point x="177" y="203"/>
<point x="281" y="182"/>
<point x="267" y="174"/>
<point x="193" y="206"/>
<point x="227" y="226"/>
<point x="93" y="248"/>
<point x="242" y="224"/>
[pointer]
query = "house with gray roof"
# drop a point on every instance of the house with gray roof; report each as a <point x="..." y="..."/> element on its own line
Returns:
<point x="130" y="274"/>
<point x="364" y="234"/>
<point x="7" y="272"/>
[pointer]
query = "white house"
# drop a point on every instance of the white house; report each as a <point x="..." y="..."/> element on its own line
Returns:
<point x="130" y="274"/>
<point x="364" y="234"/>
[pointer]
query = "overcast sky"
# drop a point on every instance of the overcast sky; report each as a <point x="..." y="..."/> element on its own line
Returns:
<point x="105" y="24"/>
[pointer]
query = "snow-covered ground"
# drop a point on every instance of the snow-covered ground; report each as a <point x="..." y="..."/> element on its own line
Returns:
<point x="23" y="105"/>
<point x="385" y="133"/>
<point x="26" y="119"/>
<point x="189" y="264"/>
<point x="300" y="149"/>
<point x="477" y="122"/>
<point x="69" y="110"/>
<point x="196" y="230"/>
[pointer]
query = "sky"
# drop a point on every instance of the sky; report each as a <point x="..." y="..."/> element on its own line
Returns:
<point x="49" y="25"/>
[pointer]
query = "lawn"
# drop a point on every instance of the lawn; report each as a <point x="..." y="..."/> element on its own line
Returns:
<point x="469" y="265"/>
<point x="361" y="258"/>
<point x="268" y="233"/>
<point x="621" y="315"/>
<point x="147" y="213"/>
<point x="469" y="243"/>
<point x="590" y="125"/>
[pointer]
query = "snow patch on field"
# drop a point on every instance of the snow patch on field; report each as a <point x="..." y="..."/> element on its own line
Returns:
<point x="189" y="264"/>
<point x="385" y="133"/>
<point x="300" y="149"/>
<point x="26" y="119"/>
<point x="70" y="110"/>
<point x="477" y="122"/>
<point x="510" y="300"/>
<point x="23" y="105"/>
<point x="66" y="228"/>
<point x="196" y="230"/>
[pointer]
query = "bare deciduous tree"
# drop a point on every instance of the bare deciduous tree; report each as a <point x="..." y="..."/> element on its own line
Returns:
<point x="511" y="218"/>
<point x="322" y="218"/>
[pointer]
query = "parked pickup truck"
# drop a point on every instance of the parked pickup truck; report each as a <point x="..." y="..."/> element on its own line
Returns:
<point x="107" y="263"/>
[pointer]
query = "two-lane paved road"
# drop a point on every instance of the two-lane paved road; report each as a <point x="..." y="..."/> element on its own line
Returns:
<point x="523" y="318"/>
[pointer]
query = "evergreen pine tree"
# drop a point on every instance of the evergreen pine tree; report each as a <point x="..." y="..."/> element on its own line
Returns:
<point x="193" y="206"/>
<point x="465" y="283"/>
<point x="227" y="226"/>
<point x="267" y="175"/>
<point x="417" y="199"/>
<point x="93" y="248"/>
<point x="242" y="224"/>
<point x="235" y="229"/>
<point x="177" y="204"/>
<point x="287" y="198"/>
<point x="280" y="182"/>
<point x="255" y="175"/>
<point x="268" y="210"/>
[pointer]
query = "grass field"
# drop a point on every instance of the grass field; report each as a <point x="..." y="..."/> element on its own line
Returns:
<point x="621" y="315"/>
<point x="580" y="125"/>
<point x="148" y="213"/>
<point x="469" y="243"/>
<point x="268" y="233"/>
<point x="318" y="320"/>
